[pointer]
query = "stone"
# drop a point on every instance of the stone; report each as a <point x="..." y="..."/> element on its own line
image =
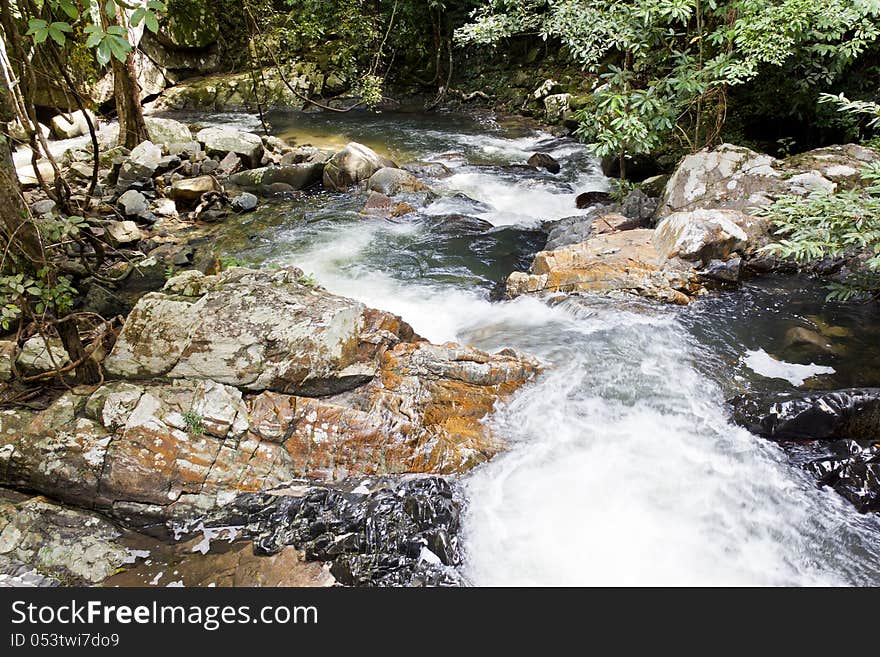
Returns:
<point x="546" y="88"/>
<point x="140" y="165"/>
<point x="379" y="205"/>
<point x="587" y="199"/>
<point x="296" y="176"/>
<point x="46" y="206"/>
<point x="7" y="356"/>
<point x="244" y="202"/>
<point x="800" y="336"/>
<point x="427" y="169"/>
<point x="194" y="27"/>
<point x="156" y="452"/>
<point x="700" y="235"/>
<point x="230" y="163"/>
<point x="133" y="203"/>
<point x="267" y="331"/>
<point x="622" y="262"/>
<point x="723" y="271"/>
<point x="74" y="124"/>
<point x="852" y="414"/>
<point x="556" y="107"/>
<point x="39" y="355"/>
<point x="75" y="546"/>
<point x="164" y="207"/>
<point x="391" y="181"/>
<point x="167" y="131"/>
<point x="639" y="207"/>
<point x="27" y="177"/>
<point x="544" y="161"/>
<point x="853" y="470"/>
<point x="190" y="190"/>
<point x="613" y="222"/>
<point x="220" y="141"/>
<point x="184" y="148"/>
<point x="122" y="232"/>
<point x="351" y="165"/>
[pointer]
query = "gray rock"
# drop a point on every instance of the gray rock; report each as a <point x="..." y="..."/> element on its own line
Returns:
<point x="74" y="124"/>
<point x="351" y="165"/>
<point x="37" y="355"/>
<point x="190" y="190"/>
<point x="185" y="148"/>
<point x="133" y="203"/>
<point x="391" y="181"/>
<point x="295" y="176"/>
<point x="244" y="202"/>
<point x="701" y="235"/>
<point x="220" y="141"/>
<point x="230" y="163"/>
<point x="43" y="207"/>
<point x="544" y="161"/>
<point x="122" y="232"/>
<point x="167" y="131"/>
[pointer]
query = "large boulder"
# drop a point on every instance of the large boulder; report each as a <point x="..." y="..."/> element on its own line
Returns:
<point x="298" y="176"/>
<point x="736" y="178"/>
<point x="190" y="190"/>
<point x="353" y="164"/>
<point x="189" y="25"/>
<point x="617" y="262"/>
<point x="167" y="131"/>
<point x="701" y="235"/>
<point x="390" y="182"/>
<point x="220" y="141"/>
<point x="148" y="453"/>
<point x="73" y="124"/>
<point x="255" y="329"/>
<point x="806" y="416"/>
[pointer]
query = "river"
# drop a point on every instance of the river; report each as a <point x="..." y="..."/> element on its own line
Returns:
<point x="622" y="466"/>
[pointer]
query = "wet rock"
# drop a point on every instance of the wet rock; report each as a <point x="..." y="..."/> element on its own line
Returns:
<point x="544" y="161"/>
<point x="390" y="181"/>
<point x="267" y="330"/>
<point x="351" y="165"/>
<point x="220" y="141"/>
<point x="723" y="271"/>
<point x="190" y="190"/>
<point x="624" y="262"/>
<point x="379" y="205"/>
<point x="153" y="452"/>
<point x="167" y="131"/>
<point x="638" y="206"/>
<point x="295" y="176"/>
<point x="74" y="546"/>
<point x="800" y="336"/>
<point x="853" y="470"/>
<point x="586" y="199"/>
<point x="74" y="124"/>
<point x="427" y="169"/>
<point x="133" y="203"/>
<point x="383" y="533"/>
<point x="39" y="354"/>
<point x="120" y="233"/>
<point x="804" y="416"/>
<point x="701" y="235"/>
<point x="244" y="202"/>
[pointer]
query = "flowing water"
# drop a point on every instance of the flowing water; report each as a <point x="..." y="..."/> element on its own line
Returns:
<point x="622" y="466"/>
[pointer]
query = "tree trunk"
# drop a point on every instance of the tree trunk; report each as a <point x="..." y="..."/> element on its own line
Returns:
<point x="132" y="127"/>
<point x="16" y="229"/>
<point x="88" y="372"/>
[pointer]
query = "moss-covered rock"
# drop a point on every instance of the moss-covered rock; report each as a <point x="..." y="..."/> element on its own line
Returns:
<point x="189" y="24"/>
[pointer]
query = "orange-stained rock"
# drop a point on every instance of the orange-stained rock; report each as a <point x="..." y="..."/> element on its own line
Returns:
<point x="616" y="262"/>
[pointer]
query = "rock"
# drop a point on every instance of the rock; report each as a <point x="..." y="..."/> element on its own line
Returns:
<point x="700" y="235"/>
<point x="391" y="181"/>
<point x="140" y="165"/>
<point x="852" y="414"/>
<point x="639" y="207"/>
<point x="295" y="176"/>
<point x="244" y="202"/>
<point x="75" y="546"/>
<point x="544" y="161"/>
<point x="27" y="177"/>
<point x="267" y="331"/>
<point x="133" y="203"/>
<point x="122" y="232"/>
<point x="556" y="107"/>
<point x="184" y="148"/>
<point x="427" y="169"/>
<point x="379" y="205"/>
<point x="800" y="336"/>
<point x="351" y="165"/>
<point x="220" y="141"/>
<point x="164" y="207"/>
<point x="230" y="163"/>
<point x="190" y="190"/>
<point x="654" y="186"/>
<point x="194" y="27"/>
<point x="723" y="271"/>
<point x="167" y="131"/>
<point x="148" y="453"/>
<point x="7" y="355"/>
<point x="586" y="199"/>
<point x="546" y="88"/>
<point x="37" y="356"/>
<point x="46" y="206"/>
<point x="74" y="124"/>
<point x="613" y="222"/>
<point x="624" y="262"/>
<point x="853" y="470"/>
<point x="385" y="532"/>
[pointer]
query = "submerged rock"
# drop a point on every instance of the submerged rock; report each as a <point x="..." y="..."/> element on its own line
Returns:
<point x="805" y="416"/>
<point x="390" y="181"/>
<point x="853" y="470"/>
<point x="544" y="161"/>
<point x="617" y="262"/>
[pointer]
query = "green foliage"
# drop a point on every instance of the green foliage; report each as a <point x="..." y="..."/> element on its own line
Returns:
<point x="107" y="43"/>
<point x="308" y="280"/>
<point x="227" y="262"/>
<point x="195" y="424"/>
<point x="837" y="224"/>
<point x="663" y="67"/>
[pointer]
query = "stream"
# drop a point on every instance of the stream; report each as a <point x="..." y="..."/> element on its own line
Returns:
<point x="622" y="466"/>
